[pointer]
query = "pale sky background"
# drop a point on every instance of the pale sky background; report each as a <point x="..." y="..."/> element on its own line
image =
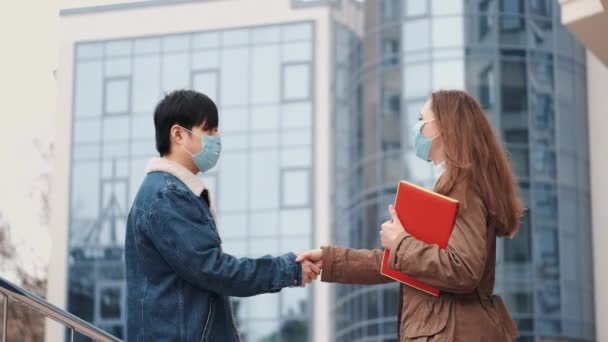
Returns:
<point x="28" y="56"/>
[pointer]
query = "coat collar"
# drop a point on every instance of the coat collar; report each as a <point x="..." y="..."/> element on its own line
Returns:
<point x="192" y="181"/>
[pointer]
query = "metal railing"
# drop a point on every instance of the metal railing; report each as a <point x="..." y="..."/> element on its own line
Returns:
<point x="13" y="292"/>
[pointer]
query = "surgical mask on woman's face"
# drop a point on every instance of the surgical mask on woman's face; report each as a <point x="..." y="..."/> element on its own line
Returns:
<point x="422" y="144"/>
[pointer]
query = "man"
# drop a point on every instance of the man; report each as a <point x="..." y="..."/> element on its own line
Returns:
<point x="179" y="279"/>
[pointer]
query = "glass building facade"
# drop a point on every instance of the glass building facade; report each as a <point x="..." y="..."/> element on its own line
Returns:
<point x="529" y="75"/>
<point x="262" y="80"/>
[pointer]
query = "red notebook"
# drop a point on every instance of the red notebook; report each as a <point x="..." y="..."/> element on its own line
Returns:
<point x="427" y="216"/>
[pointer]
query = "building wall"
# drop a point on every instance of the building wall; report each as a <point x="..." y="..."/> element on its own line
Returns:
<point x="598" y="123"/>
<point x="116" y="30"/>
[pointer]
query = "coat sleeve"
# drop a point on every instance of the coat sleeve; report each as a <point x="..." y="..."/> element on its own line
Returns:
<point x="352" y="266"/>
<point x="191" y="247"/>
<point x="456" y="269"/>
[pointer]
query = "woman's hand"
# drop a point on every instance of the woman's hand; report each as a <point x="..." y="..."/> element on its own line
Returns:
<point x="311" y="265"/>
<point x="391" y="229"/>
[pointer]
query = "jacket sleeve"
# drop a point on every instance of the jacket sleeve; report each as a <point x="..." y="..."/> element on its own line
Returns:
<point x="352" y="266"/>
<point x="189" y="244"/>
<point x="456" y="269"/>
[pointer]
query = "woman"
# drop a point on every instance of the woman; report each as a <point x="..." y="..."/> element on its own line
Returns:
<point x="455" y="134"/>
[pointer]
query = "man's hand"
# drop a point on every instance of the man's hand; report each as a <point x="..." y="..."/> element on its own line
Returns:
<point x="391" y="229"/>
<point x="310" y="272"/>
<point x="311" y="265"/>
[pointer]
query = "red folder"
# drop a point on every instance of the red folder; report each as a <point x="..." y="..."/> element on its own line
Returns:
<point x="427" y="216"/>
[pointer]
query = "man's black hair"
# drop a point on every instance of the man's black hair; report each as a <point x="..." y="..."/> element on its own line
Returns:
<point x="186" y="108"/>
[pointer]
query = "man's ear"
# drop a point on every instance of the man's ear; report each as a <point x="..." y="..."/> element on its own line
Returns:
<point x="176" y="134"/>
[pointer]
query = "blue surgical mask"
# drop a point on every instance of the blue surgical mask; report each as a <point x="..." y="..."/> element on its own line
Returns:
<point x="206" y="159"/>
<point x="422" y="144"/>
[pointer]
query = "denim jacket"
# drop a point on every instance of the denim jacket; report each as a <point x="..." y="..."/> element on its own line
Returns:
<point x="179" y="280"/>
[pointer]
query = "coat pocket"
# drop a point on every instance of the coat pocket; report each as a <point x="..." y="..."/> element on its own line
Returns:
<point x="208" y="324"/>
<point x="427" y="320"/>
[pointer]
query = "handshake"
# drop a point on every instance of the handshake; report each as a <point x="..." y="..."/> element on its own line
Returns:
<point x="312" y="264"/>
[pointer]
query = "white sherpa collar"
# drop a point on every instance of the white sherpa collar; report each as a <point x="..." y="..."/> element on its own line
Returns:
<point x="192" y="181"/>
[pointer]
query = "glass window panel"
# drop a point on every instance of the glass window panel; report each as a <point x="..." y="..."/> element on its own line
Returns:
<point x="293" y="32"/>
<point x="234" y="119"/>
<point x="265" y="118"/>
<point x="296" y="157"/>
<point x="237" y="248"/>
<point x="297" y="52"/>
<point x="416" y="7"/>
<point x="232" y="226"/>
<point x="265" y="139"/>
<point x="294" y="303"/>
<point x="176" y="43"/>
<point x="85" y="190"/>
<point x="118" y="67"/>
<point x="114" y="193"/>
<point x="263" y="247"/>
<point x="142" y="127"/>
<point x="514" y="86"/>
<point x="110" y="300"/>
<point x="144" y="148"/>
<point x="416" y="35"/>
<point x="206" y="40"/>
<point x="208" y="59"/>
<point x="234" y="142"/>
<point x="297" y="115"/>
<point x="543" y="162"/>
<point x="115" y="150"/>
<point x="175" y="72"/>
<point x="262" y="330"/>
<point x="88" y="89"/>
<point x="417" y="80"/>
<point x="519" y="250"/>
<point x="448" y="32"/>
<point x="147" y="45"/>
<point x="235" y="37"/>
<point x="448" y="75"/>
<point x="232" y="181"/>
<point x="86" y="152"/>
<point x="296" y="188"/>
<point x="516" y="135"/>
<point x="512" y="26"/>
<point x="235" y="81"/>
<point x="567" y="168"/>
<point x="117" y="96"/>
<point x="87" y="131"/>
<point x="264" y="224"/>
<point x="520" y="161"/>
<point x="116" y="128"/>
<point x="296" y="222"/>
<point x="546" y="201"/>
<point x="118" y="48"/>
<point x="296" y="244"/>
<point x="265" y="69"/>
<point x="264" y="306"/>
<point x="443" y="7"/>
<point x="296" y="138"/>
<point x="146" y="83"/>
<point x="89" y="50"/>
<point x="296" y="82"/>
<point x="269" y="34"/>
<point x="264" y="179"/>
<point x="206" y="83"/>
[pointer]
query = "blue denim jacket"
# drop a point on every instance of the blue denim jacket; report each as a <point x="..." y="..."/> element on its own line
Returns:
<point x="178" y="278"/>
